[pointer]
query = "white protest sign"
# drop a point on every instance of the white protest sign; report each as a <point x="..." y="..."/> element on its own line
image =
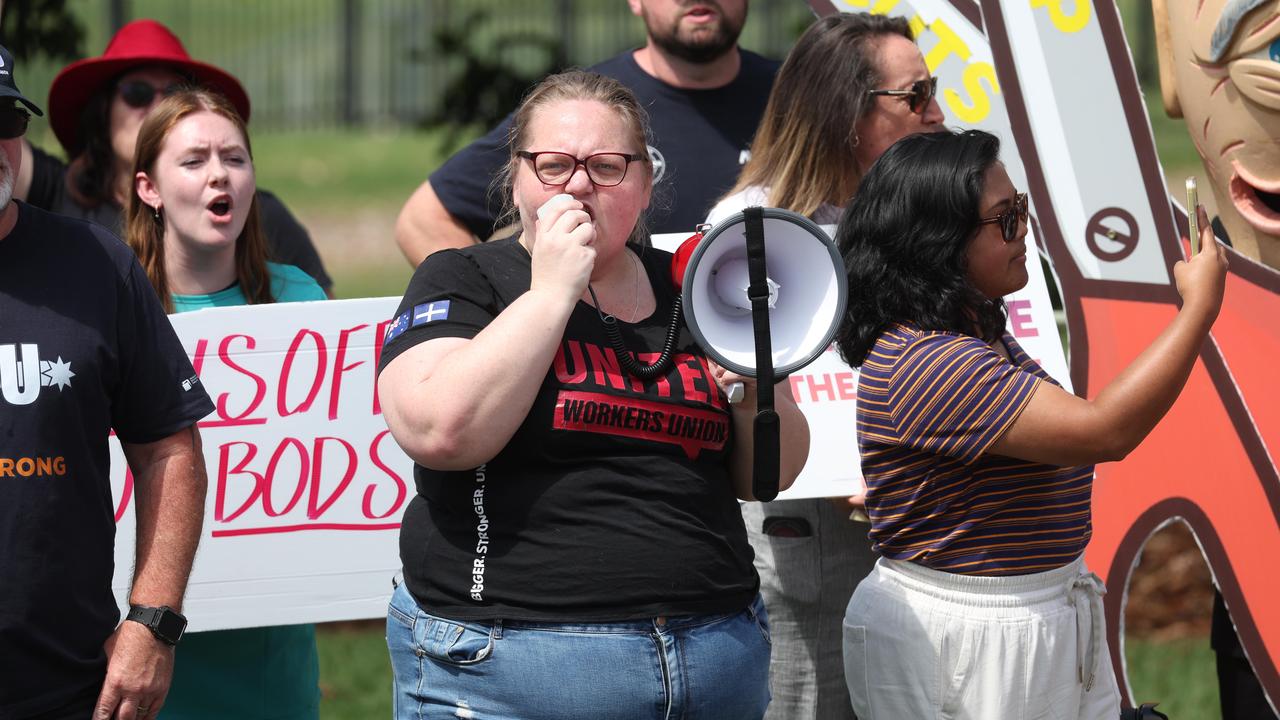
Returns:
<point x="306" y="485"/>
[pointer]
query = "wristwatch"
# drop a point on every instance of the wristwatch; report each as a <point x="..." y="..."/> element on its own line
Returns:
<point x="164" y="622"/>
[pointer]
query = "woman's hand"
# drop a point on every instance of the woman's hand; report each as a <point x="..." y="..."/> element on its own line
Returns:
<point x="563" y="249"/>
<point x="725" y="378"/>
<point x="793" y="427"/>
<point x="1202" y="278"/>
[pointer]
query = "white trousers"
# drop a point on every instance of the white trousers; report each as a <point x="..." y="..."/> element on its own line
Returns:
<point x="919" y="643"/>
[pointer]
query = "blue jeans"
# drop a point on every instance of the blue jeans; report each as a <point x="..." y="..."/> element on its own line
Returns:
<point x="707" y="667"/>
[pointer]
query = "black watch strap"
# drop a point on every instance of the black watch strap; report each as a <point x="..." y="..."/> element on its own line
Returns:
<point x="164" y="622"/>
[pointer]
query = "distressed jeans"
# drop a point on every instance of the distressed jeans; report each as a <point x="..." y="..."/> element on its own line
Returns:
<point x="707" y="667"/>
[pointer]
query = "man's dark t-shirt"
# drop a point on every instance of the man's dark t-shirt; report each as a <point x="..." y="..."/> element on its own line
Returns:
<point x="701" y="138"/>
<point x="287" y="240"/>
<point x="85" y="347"/>
<point x="612" y="500"/>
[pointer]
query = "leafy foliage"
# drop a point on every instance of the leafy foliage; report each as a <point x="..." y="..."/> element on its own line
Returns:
<point x="487" y="88"/>
<point x="41" y="28"/>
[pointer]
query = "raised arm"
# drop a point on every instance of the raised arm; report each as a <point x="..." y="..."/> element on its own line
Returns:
<point x="425" y="226"/>
<point x="1059" y="428"/>
<point x="170" y="483"/>
<point x="454" y="208"/>
<point x="453" y="403"/>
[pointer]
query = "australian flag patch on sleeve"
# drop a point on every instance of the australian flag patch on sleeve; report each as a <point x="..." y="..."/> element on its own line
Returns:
<point x="397" y="327"/>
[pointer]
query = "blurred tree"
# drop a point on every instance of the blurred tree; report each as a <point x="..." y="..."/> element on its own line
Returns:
<point x="32" y="29"/>
<point x="487" y="88"/>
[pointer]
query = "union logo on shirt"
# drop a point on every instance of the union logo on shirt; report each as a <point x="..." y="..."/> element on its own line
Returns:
<point x="23" y="373"/>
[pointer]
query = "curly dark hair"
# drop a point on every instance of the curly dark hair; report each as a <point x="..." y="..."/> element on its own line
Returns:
<point x="91" y="173"/>
<point x="904" y="239"/>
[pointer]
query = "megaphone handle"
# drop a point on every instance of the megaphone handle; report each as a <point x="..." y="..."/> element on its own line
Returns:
<point x="764" y="480"/>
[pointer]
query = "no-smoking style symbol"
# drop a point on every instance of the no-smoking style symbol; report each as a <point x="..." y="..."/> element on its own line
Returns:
<point x="1121" y="230"/>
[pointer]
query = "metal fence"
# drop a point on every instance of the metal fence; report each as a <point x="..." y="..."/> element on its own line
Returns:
<point x="312" y="64"/>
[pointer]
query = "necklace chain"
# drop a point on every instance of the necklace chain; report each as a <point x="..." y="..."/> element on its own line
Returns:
<point x="635" y="305"/>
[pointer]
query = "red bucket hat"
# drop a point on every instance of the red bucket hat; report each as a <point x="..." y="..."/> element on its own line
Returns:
<point x="141" y="42"/>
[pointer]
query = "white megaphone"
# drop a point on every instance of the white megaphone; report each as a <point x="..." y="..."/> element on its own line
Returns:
<point x="764" y="293"/>
<point x="806" y="284"/>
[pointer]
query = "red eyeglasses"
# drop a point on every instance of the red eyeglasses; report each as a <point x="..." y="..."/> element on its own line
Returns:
<point x="604" y="169"/>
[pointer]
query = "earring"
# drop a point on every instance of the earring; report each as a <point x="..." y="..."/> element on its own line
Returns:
<point x="155" y="211"/>
<point x="856" y="140"/>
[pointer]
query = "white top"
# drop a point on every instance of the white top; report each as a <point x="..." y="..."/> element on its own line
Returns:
<point x="756" y="195"/>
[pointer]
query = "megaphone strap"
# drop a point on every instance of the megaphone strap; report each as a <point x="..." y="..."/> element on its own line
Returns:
<point x="766" y="433"/>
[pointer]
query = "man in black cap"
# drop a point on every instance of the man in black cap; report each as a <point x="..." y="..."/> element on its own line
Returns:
<point x="85" y="348"/>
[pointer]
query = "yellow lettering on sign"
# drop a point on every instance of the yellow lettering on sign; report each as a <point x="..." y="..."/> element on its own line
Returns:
<point x="917" y="26"/>
<point x="1072" y="23"/>
<point x="876" y="7"/>
<point x="980" y="107"/>
<point x="949" y="43"/>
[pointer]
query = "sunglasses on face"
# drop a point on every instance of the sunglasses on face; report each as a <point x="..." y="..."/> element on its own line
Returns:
<point x="918" y="97"/>
<point x="140" y="93"/>
<point x="13" y="122"/>
<point x="1010" y="219"/>
<point x="556" y="168"/>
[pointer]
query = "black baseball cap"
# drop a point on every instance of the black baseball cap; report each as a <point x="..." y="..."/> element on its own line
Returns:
<point x="8" y="87"/>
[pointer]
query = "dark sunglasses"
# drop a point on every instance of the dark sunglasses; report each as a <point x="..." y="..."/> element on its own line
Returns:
<point x="918" y="97"/>
<point x="1010" y="219"/>
<point x="140" y="93"/>
<point x="13" y="122"/>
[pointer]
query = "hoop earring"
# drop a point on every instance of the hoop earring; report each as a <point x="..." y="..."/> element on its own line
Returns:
<point x="856" y="140"/>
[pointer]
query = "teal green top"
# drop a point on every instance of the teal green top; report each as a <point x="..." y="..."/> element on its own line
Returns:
<point x="265" y="673"/>
<point x="288" y="284"/>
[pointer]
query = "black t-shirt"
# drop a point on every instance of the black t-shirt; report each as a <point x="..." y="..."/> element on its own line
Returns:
<point x="287" y="240"/>
<point x="611" y="501"/>
<point x="84" y="347"/>
<point x="701" y="138"/>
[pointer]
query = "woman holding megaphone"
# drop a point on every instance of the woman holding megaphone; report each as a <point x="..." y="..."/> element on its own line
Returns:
<point x="574" y="549"/>
<point x="979" y="467"/>
<point x="852" y="86"/>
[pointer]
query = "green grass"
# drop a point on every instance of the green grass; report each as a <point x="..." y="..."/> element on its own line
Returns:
<point x="1177" y="153"/>
<point x="330" y="170"/>
<point x="366" y="281"/>
<point x="1179" y="674"/>
<point x="355" y="674"/>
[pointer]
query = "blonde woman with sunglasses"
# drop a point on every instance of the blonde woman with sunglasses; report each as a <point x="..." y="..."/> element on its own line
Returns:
<point x="853" y="84"/>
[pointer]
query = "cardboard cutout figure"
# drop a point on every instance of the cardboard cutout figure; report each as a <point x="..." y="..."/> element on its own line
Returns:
<point x="1220" y="71"/>
<point x="1066" y="92"/>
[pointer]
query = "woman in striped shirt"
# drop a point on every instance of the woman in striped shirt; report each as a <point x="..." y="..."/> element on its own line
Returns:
<point x="978" y="465"/>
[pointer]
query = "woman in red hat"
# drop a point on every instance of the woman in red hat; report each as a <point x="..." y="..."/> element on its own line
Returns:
<point x="96" y="106"/>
